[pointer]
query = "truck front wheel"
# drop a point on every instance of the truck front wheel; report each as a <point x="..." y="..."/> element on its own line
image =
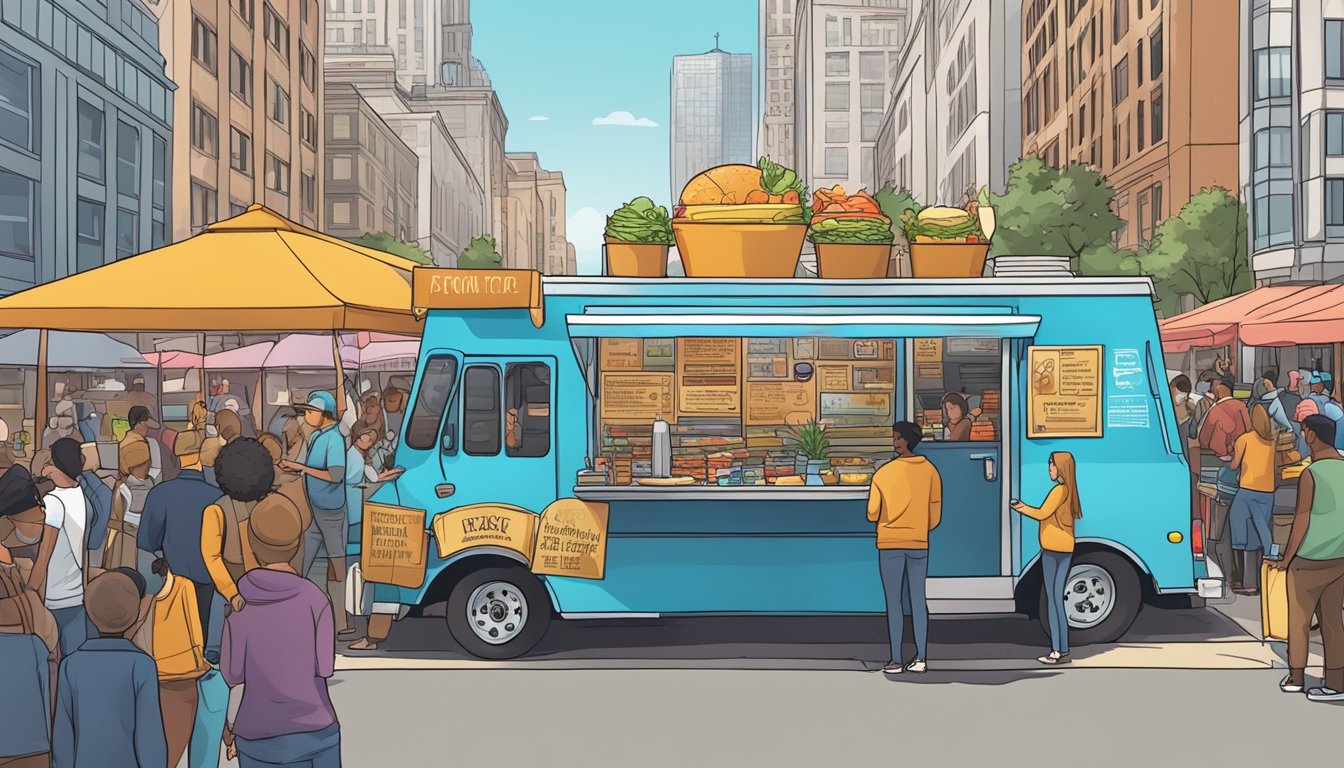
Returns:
<point x="498" y="613"/>
<point x="1102" y="597"/>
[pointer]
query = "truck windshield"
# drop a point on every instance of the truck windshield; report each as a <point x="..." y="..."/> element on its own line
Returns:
<point x="435" y="386"/>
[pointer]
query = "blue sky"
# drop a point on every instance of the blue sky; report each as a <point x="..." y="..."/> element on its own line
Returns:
<point x="573" y="62"/>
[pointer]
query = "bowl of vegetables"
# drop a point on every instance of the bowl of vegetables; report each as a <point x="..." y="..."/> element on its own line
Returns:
<point x="741" y="221"/>
<point x="852" y="236"/>
<point x="946" y="242"/>
<point x="637" y="238"/>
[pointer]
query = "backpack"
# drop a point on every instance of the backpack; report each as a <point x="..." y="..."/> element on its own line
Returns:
<point x="99" y="498"/>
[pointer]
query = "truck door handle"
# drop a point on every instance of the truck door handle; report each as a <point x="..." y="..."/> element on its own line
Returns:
<point x="444" y="490"/>
<point x="988" y="460"/>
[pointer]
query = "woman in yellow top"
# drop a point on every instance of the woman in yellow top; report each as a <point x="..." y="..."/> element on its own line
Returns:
<point x="1057" y="516"/>
<point x="1252" y="508"/>
<point x="178" y="648"/>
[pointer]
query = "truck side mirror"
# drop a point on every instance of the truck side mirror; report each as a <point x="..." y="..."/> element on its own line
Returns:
<point x="446" y="443"/>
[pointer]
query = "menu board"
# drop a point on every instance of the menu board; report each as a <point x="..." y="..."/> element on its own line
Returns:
<point x="636" y="397"/>
<point x="395" y="545"/>
<point x="781" y="402"/>
<point x="1064" y="398"/>
<point x="658" y="354"/>
<point x="834" y="378"/>
<point x="709" y="376"/>
<point x="768" y="359"/>
<point x="928" y="350"/>
<point x="622" y="355"/>
<point x="876" y="405"/>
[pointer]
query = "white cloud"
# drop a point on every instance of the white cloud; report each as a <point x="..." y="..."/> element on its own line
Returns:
<point x="625" y="119"/>
<point x="539" y="118"/>
<point x="584" y="229"/>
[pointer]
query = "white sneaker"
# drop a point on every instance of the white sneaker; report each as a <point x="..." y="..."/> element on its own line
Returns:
<point x="917" y="666"/>
<point x="1289" y="687"/>
<point x="1325" y="694"/>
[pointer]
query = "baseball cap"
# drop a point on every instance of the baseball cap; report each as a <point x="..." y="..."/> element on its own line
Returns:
<point x="318" y="401"/>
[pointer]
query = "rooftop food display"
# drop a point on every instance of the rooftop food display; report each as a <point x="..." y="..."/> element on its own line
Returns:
<point x="946" y="242"/>
<point x="741" y="221"/>
<point x="637" y="238"/>
<point x="841" y="218"/>
<point x="942" y="224"/>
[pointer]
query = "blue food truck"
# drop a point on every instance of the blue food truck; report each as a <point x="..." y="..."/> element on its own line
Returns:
<point x="543" y="407"/>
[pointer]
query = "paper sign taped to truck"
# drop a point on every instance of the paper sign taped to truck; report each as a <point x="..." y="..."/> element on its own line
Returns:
<point x="569" y="538"/>
<point x="394" y="546"/>
<point x="1064" y="399"/>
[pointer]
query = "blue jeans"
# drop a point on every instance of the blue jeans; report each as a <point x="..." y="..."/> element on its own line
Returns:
<point x="73" y="624"/>
<point x="895" y="565"/>
<point x="212" y="706"/>
<point x="319" y="749"/>
<point x="1250" y="519"/>
<point x="1056" y="567"/>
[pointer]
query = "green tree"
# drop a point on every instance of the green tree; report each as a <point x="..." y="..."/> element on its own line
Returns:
<point x="1049" y="212"/>
<point x="1201" y="251"/>
<point x="480" y="253"/>
<point x="384" y="242"/>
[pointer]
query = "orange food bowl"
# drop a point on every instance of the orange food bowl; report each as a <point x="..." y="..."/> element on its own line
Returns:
<point x="852" y="261"/>
<point x="950" y="260"/>
<point x="636" y="259"/>
<point x="712" y="249"/>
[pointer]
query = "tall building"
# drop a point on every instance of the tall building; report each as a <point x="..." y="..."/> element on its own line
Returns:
<point x="846" y="50"/>
<point x="371" y="174"/>
<point x="358" y="22"/>
<point x="556" y="259"/>
<point x="526" y="246"/>
<point x="247" y="106"/>
<point x="711" y="113"/>
<point x="1292" y="138"/>
<point x="450" y="202"/>
<point x="85" y="139"/>
<point x="775" y="59"/>
<point x="1141" y="91"/>
<point x="953" y="123"/>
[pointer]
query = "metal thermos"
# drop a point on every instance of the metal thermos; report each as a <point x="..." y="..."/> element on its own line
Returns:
<point x="662" y="449"/>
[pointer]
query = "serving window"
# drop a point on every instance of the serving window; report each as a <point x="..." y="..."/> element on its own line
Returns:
<point x="958" y="388"/>
<point x="735" y="407"/>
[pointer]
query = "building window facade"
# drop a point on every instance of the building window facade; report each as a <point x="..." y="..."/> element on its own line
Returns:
<point x="837" y="97"/>
<point x="204" y="43"/>
<point x="1273" y="73"/>
<point x="240" y="151"/>
<point x="1272" y="220"/>
<point x="18" y="219"/>
<point x="277" y="174"/>
<point x="128" y="160"/>
<point x="88" y="234"/>
<point x="308" y="127"/>
<point x="837" y="161"/>
<point x="159" y="193"/>
<point x="91" y="141"/>
<point x="18" y="102"/>
<point x="128" y="233"/>
<point x="308" y="191"/>
<point x="1334" y="49"/>
<point x="1334" y="134"/>
<point x="204" y="206"/>
<point x="278" y="98"/>
<point x="204" y="130"/>
<point x="276" y="32"/>
<point x="240" y="76"/>
<point x="1272" y="148"/>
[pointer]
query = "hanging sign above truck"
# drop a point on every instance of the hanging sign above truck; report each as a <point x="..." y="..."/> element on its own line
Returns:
<point x="435" y="288"/>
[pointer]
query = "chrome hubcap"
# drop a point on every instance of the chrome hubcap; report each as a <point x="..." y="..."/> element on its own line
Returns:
<point x="497" y="612"/>
<point x="1089" y="596"/>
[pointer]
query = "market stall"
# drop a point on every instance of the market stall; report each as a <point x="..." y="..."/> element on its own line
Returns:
<point x="265" y="274"/>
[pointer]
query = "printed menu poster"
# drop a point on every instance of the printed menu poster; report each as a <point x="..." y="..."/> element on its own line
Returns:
<point x="708" y="376"/>
<point x="928" y="350"/>
<point x="834" y="378"/>
<point x="572" y="540"/>
<point x="781" y="402"/>
<point x="622" y="355"/>
<point x="1064" y="394"/>
<point x="396" y="545"/>
<point x="635" y="397"/>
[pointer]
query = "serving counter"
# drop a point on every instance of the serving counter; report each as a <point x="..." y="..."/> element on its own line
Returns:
<point x="722" y="493"/>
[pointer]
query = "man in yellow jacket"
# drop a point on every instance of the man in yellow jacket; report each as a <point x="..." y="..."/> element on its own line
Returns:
<point x="906" y="503"/>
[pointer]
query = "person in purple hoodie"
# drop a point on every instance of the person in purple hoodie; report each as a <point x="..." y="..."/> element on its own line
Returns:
<point x="281" y="647"/>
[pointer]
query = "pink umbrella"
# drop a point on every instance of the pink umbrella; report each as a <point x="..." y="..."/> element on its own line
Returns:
<point x="305" y="350"/>
<point x="242" y="358"/>
<point x="173" y="359"/>
<point x="365" y="338"/>
<point x="379" y="351"/>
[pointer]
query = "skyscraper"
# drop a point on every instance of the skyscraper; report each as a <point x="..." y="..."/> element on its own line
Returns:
<point x="711" y="113"/>
<point x="776" y="61"/>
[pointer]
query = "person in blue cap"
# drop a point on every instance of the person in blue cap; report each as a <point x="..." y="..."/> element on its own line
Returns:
<point x="324" y="480"/>
<point x="1321" y="384"/>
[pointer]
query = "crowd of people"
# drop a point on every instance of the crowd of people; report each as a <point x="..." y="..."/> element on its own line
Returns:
<point x="1246" y="444"/>
<point x="157" y="611"/>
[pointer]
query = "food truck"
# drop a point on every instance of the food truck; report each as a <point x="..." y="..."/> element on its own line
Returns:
<point x="596" y="447"/>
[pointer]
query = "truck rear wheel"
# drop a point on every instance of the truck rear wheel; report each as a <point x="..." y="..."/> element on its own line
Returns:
<point x="498" y="613"/>
<point x="1102" y="597"/>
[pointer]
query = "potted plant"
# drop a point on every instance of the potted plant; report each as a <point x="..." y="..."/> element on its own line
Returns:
<point x="637" y="237"/>
<point x="946" y="242"/>
<point x="741" y="221"/>
<point x="894" y="203"/>
<point x="813" y="442"/>
<point x="852" y="236"/>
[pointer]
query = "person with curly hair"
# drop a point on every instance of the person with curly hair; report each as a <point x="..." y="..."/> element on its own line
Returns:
<point x="246" y="475"/>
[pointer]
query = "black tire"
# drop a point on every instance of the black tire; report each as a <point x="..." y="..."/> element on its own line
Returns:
<point x="1128" y="599"/>
<point x="538" y="615"/>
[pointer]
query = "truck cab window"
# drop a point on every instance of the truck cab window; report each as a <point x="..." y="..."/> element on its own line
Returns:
<point x="480" y="411"/>
<point x="527" y="415"/>
<point x="435" y="387"/>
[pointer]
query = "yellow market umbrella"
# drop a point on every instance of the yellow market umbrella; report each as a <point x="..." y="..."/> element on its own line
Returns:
<point x="255" y="272"/>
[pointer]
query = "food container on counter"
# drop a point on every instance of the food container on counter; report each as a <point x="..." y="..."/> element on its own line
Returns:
<point x="852" y="261"/>
<point x="635" y="259"/>
<point x="948" y="260"/>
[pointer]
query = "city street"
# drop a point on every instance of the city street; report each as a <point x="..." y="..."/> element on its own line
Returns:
<point x="787" y="692"/>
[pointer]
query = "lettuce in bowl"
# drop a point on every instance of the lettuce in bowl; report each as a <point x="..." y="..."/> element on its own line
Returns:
<point x="851" y="230"/>
<point x="640" y="221"/>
